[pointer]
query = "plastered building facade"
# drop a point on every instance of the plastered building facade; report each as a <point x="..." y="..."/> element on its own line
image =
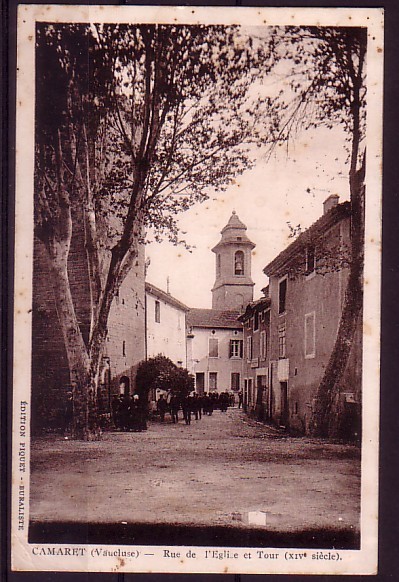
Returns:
<point x="215" y="337"/>
<point x="165" y="326"/>
<point x="300" y="317"/>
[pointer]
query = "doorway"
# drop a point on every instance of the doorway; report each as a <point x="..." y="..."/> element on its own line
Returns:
<point x="200" y="382"/>
<point x="284" y="404"/>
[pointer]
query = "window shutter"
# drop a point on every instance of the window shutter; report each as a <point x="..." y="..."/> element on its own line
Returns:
<point x="241" y="348"/>
<point x="231" y="349"/>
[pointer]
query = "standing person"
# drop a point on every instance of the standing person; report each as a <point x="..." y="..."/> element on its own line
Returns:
<point x="240" y="399"/>
<point x="124" y="411"/>
<point x="211" y="404"/>
<point x="196" y="404"/>
<point x="115" y="411"/>
<point x="142" y="411"/>
<point x="186" y="406"/>
<point x="224" y="401"/>
<point x="161" y="407"/>
<point x="205" y="403"/>
<point x="174" y="408"/>
<point x="135" y="414"/>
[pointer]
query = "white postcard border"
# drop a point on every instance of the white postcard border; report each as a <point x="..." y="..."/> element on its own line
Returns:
<point x="75" y="557"/>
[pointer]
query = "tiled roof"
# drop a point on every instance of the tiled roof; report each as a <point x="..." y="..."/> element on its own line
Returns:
<point x="326" y="221"/>
<point x="258" y="305"/>
<point x="213" y="318"/>
<point x="159" y="294"/>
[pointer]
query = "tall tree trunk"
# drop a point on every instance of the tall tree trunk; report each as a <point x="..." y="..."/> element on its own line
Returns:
<point x="324" y="419"/>
<point x="58" y="242"/>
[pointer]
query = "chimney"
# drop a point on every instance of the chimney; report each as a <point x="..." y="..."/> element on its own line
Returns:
<point x="330" y="202"/>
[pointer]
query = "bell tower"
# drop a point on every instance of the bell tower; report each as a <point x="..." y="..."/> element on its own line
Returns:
<point x="233" y="288"/>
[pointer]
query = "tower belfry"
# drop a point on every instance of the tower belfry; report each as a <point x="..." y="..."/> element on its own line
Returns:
<point x="233" y="288"/>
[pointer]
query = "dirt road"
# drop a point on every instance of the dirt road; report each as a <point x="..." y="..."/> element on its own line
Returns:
<point x="216" y="472"/>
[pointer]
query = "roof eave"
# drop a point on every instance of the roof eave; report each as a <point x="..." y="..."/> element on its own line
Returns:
<point x="325" y="222"/>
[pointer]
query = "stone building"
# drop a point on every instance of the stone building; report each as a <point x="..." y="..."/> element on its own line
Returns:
<point x="307" y="283"/>
<point x="214" y="350"/>
<point x="215" y="340"/>
<point x="125" y="344"/>
<point x="256" y="340"/>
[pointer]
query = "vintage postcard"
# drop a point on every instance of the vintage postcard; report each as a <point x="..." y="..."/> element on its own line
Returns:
<point x="197" y="289"/>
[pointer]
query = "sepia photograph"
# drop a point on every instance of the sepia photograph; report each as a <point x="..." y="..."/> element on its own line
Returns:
<point x="197" y="263"/>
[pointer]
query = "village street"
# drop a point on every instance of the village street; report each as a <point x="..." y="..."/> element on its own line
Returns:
<point x="211" y="474"/>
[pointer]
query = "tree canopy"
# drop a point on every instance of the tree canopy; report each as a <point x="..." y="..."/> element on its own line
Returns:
<point x="161" y="373"/>
<point x="134" y="124"/>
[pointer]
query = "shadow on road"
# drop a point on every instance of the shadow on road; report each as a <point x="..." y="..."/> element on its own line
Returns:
<point x="177" y="534"/>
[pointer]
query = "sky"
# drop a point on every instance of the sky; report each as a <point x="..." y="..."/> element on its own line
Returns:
<point x="289" y="187"/>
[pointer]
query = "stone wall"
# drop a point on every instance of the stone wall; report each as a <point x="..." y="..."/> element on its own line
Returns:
<point x="50" y="377"/>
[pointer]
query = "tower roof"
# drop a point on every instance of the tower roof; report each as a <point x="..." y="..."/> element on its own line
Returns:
<point x="234" y="222"/>
<point x="234" y="232"/>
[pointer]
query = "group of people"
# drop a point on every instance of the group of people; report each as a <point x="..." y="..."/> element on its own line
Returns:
<point x="193" y="405"/>
<point x="129" y="413"/>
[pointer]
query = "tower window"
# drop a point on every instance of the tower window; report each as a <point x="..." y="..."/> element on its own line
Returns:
<point x="124" y="349"/>
<point x="239" y="263"/>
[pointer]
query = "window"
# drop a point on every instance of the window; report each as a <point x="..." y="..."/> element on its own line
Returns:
<point x="310" y="259"/>
<point x="218" y="264"/>
<point x="124" y="349"/>
<point x="282" y="295"/>
<point x="236" y="348"/>
<point x="235" y="381"/>
<point x="213" y="347"/>
<point x="157" y="312"/>
<point x="310" y="335"/>
<point x="281" y="341"/>
<point x="239" y="263"/>
<point x="256" y="321"/>
<point x="249" y="348"/>
<point x="213" y="381"/>
<point x="263" y="345"/>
